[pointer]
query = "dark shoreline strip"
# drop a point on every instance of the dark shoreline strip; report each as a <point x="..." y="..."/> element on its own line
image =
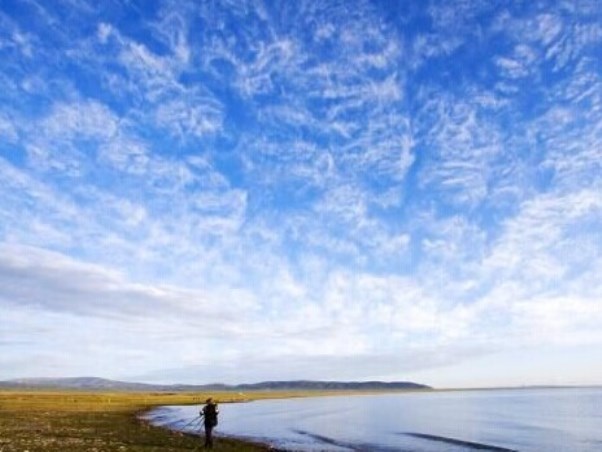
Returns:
<point x="458" y="442"/>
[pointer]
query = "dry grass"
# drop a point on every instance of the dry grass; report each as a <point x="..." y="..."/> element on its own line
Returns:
<point x="93" y="421"/>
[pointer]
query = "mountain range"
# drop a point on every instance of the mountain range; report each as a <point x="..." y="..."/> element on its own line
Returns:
<point x="103" y="384"/>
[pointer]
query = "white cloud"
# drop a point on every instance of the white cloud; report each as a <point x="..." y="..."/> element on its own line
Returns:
<point x="427" y="46"/>
<point x="54" y="143"/>
<point x="154" y="74"/>
<point x="86" y="118"/>
<point x="464" y="146"/>
<point x="560" y="320"/>
<point x="275" y="54"/>
<point x="104" y="32"/>
<point x="59" y="283"/>
<point x="543" y="225"/>
<point x="197" y="117"/>
<point x="520" y="64"/>
<point x="127" y="155"/>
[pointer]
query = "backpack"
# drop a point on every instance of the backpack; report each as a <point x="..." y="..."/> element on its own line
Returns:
<point x="210" y="412"/>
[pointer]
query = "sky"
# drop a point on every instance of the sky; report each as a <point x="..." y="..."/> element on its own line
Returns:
<point x="237" y="191"/>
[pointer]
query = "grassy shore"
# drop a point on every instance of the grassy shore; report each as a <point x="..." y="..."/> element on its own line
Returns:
<point x="93" y="421"/>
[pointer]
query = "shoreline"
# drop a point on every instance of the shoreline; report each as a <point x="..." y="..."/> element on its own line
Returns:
<point x="199" y="436"/>
<point x="262" y="446"/>
<point x="253" y="396"/>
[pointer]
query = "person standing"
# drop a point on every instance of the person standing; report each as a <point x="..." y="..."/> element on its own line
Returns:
<point x="209" y="413"/>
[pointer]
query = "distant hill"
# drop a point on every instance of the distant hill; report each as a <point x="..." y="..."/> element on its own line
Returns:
<point x="102" y="384"/>
<point x="330" y="385"/>
<point x="84" y="383"/>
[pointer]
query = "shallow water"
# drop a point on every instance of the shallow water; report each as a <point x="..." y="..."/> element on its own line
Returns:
<point x="494" y="420"/>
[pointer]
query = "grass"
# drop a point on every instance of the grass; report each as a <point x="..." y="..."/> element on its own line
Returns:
<point x="93" y="421"/>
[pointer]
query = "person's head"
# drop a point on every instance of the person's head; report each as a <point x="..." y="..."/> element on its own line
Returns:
<point x="209" y="400"/>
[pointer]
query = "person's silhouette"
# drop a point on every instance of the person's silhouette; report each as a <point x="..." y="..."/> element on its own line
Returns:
<point x="209" y="413"/>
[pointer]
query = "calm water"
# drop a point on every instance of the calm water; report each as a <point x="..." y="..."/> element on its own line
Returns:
<point x="522" y="420"/>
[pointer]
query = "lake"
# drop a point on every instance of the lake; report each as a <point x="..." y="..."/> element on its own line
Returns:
<point x="558" y="419"/>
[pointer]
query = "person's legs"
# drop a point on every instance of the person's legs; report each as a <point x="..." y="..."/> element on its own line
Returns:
<point x="208" y="436"/>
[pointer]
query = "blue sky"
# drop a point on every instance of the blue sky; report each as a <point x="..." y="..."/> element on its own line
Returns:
<point x="242" y="190"/>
